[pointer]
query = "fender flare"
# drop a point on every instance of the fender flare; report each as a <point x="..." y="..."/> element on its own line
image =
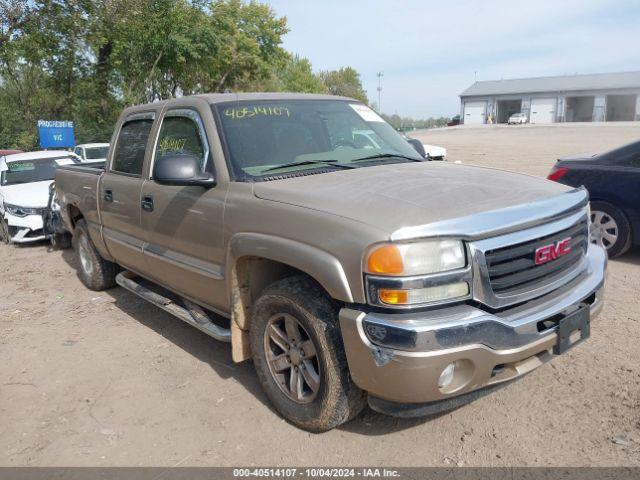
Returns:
<point x="320" y="265"/>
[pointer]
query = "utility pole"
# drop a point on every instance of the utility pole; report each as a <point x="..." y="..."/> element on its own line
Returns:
<point x="380" y="75"/>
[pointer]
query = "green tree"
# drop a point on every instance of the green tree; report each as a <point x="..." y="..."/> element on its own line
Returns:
<point x="296" y="75"/>
<point x="345" y="82"/>
<point x="84" y="60"/>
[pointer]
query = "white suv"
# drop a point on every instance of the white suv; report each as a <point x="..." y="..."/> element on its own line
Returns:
<point x="518" y="119"/>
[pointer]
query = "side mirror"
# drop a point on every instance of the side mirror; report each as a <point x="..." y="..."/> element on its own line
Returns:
<point x="417" y="144"/>
<point x="182" y="171"/>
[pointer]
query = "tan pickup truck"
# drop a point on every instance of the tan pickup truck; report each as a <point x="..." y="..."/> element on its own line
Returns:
<point x="349" y="271"/>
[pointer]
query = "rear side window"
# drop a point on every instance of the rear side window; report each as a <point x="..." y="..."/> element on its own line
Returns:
<point x="130" y="147"/>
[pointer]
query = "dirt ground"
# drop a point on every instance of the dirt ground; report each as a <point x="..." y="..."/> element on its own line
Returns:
<point x="105" y="379"/>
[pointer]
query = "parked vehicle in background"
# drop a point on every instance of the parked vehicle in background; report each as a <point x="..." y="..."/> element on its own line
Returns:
<point x="613" y="181"/>
<point x="368" y="139"/>
<point x="9" y="152"/>
<point x="433" y="152"/>
<point x="454" y="121"/>
<point x="52" y="223"/>
<point x="518" y="119"/>
<point x="92" y="152"/>
<point x="24" y="192"/>
<point x="346" y="273"/>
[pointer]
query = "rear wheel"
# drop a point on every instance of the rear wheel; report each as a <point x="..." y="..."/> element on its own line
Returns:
<point x="299" y="357"/>
<point x="94" y="271"/>
<point x="610" y="228"/>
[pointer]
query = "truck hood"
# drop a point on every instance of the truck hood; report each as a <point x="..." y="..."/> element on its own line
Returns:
<point x="35" y="194"/>
<point x="394" y="196"/>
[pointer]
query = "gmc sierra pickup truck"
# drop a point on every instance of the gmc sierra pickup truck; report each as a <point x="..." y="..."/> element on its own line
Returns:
<point x="348" y="273"/>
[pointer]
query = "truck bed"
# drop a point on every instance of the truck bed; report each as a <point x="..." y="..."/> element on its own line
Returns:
<point x="77" y="186"/>
<point x="92" y="168"/>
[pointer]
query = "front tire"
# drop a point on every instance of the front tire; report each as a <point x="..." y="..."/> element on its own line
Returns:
<point x="60" y="241"/>
<point x="299" y="358"/>
<point x="5" y="237"/>
<point x="610" y="228"/>
<point x="94" y="272"/>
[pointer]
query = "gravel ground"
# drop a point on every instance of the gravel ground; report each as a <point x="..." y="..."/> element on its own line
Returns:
<point x="104" y="379"/>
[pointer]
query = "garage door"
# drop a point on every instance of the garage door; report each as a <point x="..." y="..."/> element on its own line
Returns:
<point x="543" y="110"/>
<point x="474" y="112"/>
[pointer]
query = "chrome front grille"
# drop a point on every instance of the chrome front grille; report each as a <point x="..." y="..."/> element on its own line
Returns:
<point x="514" y="268"/>
<point x="504" y="267"/>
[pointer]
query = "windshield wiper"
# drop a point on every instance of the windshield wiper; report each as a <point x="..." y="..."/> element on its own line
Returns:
<point x="387" y="155"/>
<point x="326" y="163"/>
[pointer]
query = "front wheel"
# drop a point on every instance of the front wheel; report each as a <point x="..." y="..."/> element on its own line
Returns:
<point x="298" y="355"/>
<point x="5" y="236"/>
<point x="60" y="241"/>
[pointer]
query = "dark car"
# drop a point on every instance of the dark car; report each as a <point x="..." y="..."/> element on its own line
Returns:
<point x="613" y="181"/>
<point x="454" y="121"/>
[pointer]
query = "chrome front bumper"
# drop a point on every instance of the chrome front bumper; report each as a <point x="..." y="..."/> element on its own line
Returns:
<point x="399" y="357"/>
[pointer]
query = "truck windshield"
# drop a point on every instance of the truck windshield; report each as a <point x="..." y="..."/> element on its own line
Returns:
<point x="28" y="171"/>
<point x="266" y="138"/>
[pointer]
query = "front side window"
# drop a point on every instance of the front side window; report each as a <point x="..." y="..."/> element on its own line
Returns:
<point x="181" y="135"/>
<point x="29" y="171"/>
<point x="131" y="145"/>
<point x="265" y="138"/>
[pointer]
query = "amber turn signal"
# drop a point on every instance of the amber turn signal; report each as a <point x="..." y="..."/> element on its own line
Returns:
<point x="385" y="259"/>
<point x="393" y="297"/>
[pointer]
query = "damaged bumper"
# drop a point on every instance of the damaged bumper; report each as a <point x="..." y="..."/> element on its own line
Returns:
<point x="25" y="229"/>
<point x="399" y="358"/>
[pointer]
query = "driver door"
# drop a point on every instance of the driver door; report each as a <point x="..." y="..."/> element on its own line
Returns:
<point x="183" y="225"/>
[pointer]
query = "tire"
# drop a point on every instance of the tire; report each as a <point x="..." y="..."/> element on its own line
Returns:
<point x="336" y="398"/>
<point x="610" y="228"/>
<point x="94" y="272"/>
<point x="60" y="241"/>
<point x="4" y="231"/>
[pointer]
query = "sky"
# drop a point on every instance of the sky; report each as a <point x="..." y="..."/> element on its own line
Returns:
<point x="429" y="52"/>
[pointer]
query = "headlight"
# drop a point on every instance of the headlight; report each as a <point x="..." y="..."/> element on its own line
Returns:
<point x="21" y="211"/>
<point x="420" y="258"/>
<point x="419" y="273"/>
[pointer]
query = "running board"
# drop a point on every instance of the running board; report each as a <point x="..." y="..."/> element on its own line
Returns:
<point x="193" y="314"/>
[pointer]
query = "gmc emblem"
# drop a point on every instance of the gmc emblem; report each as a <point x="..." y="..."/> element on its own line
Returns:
<point x="546" y="253"/>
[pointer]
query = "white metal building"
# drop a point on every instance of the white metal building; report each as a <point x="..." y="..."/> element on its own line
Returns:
<point x="569" y="98"/>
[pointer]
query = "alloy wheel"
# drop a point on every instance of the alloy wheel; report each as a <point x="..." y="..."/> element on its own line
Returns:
<point x="292" y="358"/>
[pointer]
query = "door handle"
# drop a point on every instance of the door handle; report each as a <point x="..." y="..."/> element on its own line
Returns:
<point x="147" y="203"/>
<point x="108" y="195"/>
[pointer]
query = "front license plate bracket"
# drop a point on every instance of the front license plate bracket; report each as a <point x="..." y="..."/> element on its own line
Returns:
<point x="577" y="322"/>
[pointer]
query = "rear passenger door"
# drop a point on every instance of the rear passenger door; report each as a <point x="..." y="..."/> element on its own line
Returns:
<point x="119" y="192"/>
<point x="184" y="225"/>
